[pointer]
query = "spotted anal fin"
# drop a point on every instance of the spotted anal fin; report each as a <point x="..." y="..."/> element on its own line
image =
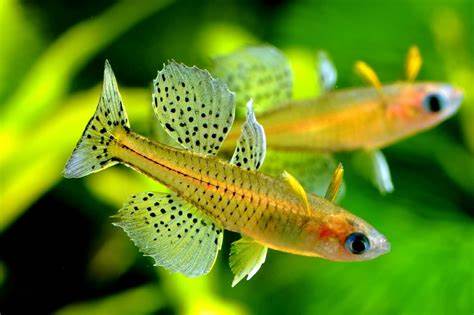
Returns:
<point x="177" y="235"/>
<point x="261" y="73"/>
<point x="246" y="258"/>
<point x="326" y="72"/>
<point x="251" y="147"/>
<point x="297" y="188"/>
<point x="373" y="165"/>
<point x="335" y="184"/>
<point x="195" y="109"/>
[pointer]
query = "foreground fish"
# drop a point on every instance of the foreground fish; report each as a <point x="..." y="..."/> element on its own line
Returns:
<point x="365" y="119"/>
<point x="183" y="230"/>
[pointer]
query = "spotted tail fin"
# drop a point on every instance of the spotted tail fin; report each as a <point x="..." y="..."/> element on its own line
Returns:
<point x="91" y="153"/>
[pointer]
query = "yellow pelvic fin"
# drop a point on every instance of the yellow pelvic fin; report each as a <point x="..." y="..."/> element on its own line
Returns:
<point x="413" y="63"/>
<point x="335" y="183"/>
<point x="297" y="188"/>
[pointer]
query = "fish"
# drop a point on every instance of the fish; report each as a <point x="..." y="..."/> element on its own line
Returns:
<point x="182" y="230"/>
<point x="364" y="119"/>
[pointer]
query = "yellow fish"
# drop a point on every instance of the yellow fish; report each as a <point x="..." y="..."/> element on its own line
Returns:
<point x="183" y="230"/>
<point x="365" y="119"/>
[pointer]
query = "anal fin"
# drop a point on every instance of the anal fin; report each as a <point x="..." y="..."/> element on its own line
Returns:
<point x="246" y="258"/>
<point x="373" y="165"/>
<point x="176" y="234"/>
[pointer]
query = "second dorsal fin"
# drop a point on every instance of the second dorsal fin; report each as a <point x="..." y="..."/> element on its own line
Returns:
<point x="261" y="73"/>
<point x="195" y="109"/>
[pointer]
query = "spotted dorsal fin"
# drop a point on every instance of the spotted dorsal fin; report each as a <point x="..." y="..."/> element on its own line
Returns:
<point x="251" y="147"/>
<point x="261" y="73"/>
<point x="195" y="109"/>
<point x="326" y="72"/>
<point x="413" y="63"/>
<point x="297" y="188"/>
<point x="177" y="235"/>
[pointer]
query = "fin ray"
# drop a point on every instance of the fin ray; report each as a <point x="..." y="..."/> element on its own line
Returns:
<point x="261" y="73"/>
<point x="251" y="147"/>
<point x="177" y="235"/>
<point x="246" y="258"/>
<point x="196" y="110"/>
<point x="91" y="152"/>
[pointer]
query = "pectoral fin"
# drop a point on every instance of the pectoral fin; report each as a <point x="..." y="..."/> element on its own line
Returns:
<point x="246" y="258"/>
<point x="176" y="234"/>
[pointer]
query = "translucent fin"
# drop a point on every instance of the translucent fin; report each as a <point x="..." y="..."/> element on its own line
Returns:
<point x="326" y="72"/>
<point x="261" y="73"/>
<point x="176" y="234"/>
<point x="335" y="184"/>
<point x="246" y="258"/>
<point x="195" y="110"/>
<point x="313" y="170"/>
<point x="91" y="153"/>
<point x="374" y="167"/>
<point x="297" y="188"/>
<point x="413" y="63"/>
<point x="368" y="74"/>
<point x="251" y="147"/>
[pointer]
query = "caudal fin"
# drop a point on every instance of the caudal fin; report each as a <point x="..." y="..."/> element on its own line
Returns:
<point x="91" y="153"/>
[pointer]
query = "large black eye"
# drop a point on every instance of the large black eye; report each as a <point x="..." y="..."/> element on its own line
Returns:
<point x="434" y="102"/>
<point x="357" y="243"/>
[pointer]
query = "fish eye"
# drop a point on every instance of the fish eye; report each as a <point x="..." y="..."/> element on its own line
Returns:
<point x="434" y="102"/>
<point x="357" y="243"/>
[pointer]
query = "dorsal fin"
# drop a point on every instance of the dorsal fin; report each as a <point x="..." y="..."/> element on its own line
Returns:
<point x="261" y="73"/>
<point x="335" y="184"/>
<point x="195" y="109"/>
<point x="326" y="72"/>
<point x="413" y="63"/>
<point x="370" y="76"/>
<point x="251" y="147"/>
<point x="297" y="188"/>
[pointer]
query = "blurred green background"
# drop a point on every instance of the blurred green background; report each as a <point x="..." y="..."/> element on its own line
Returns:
<point x="60" y="254"/>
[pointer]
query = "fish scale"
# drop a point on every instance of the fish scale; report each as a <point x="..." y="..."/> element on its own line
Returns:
<point x="183" y="172"/>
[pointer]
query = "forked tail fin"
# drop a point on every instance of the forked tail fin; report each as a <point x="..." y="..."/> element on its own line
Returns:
<point x="91" y="153"/>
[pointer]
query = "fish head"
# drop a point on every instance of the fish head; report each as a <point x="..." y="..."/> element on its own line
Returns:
<point x="338" y="235"/>
<point x="412" y="107"/>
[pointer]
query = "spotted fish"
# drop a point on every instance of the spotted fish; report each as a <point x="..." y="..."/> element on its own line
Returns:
<point x="183" y="230"/>
<point x="355" y="119"/>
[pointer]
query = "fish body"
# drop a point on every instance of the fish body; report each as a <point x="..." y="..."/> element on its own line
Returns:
<point x="358" y="118"/>
<point x="264" y="208"/>
<point x="182" y="230"/>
